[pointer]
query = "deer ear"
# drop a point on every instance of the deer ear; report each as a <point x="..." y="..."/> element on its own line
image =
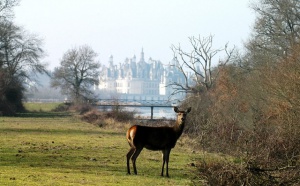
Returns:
<point x="188" y="110"/>
<point x="176" y="109"/>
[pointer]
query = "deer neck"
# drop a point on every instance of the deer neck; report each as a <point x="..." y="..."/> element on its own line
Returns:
<point x="179" y="126"/>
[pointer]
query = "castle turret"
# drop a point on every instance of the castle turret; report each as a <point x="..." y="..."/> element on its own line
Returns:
<point x="142" y="55"/>
<point x="111" y="61"/>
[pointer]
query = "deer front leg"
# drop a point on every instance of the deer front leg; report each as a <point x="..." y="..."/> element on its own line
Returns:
<point x="163" y="165"/>
<point x="167" y="161"/>
<point x="166" y="154"/>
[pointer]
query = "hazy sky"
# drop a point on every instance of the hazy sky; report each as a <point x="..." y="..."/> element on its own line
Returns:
<point x="123" y="27"/>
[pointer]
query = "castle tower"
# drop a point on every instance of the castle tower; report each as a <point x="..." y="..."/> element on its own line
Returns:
<point x="142" y="55"/>
<point x="111" y="60"/>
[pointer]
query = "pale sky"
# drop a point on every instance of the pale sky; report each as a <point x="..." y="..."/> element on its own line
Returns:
<point x="123" y="27"/>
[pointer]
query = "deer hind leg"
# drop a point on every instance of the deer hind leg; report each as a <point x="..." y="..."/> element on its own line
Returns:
<point x="134" y="156"/>
<point x="129" y="155"/>
<point x="166" y="155"/>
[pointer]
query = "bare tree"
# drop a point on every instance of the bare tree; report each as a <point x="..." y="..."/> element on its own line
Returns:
<point x="277" y="27"/>
<point x="197" y="65"/>
<point x="6" y="7"/>
<point x="77" y="73"/>
<point x="20" y="54"/>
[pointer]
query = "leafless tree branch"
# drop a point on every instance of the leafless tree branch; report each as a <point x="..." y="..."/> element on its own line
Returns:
<point x="197" y="65"/>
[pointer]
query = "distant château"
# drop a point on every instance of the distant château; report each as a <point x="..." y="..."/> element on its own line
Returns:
<point x="140" y="80"/>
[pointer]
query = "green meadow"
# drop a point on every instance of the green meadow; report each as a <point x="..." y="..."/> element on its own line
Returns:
<point x="56" y="148"/>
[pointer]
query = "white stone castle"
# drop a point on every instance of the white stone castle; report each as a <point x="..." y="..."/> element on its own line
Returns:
<point x="140" y="80"/>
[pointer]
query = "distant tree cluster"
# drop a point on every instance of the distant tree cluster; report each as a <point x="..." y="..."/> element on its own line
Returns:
<point x="20" y="54"/>
<point x="251" y="109"/>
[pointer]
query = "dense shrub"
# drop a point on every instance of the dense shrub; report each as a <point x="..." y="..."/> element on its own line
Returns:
<point x="230" y="173"/>
<point x="257" y="121"/>
<point x="11" y="94"/>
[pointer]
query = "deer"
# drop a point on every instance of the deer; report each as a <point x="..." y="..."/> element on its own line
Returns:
<point x="156" y="139"/>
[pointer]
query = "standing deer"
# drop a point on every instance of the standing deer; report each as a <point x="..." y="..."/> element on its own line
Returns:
<point x="155" y="138"/>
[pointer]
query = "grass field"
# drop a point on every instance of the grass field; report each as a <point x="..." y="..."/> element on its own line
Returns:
<point x="47" y="148"/>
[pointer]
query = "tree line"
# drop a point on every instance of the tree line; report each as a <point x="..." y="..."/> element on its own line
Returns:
<point x="248" y="106"/>
<point x="21" y="55"/>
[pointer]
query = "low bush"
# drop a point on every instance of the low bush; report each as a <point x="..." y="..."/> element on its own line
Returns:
<point x="61" y="107"/>
<point x="81" y="108"/>
<point x="109" y="118"/>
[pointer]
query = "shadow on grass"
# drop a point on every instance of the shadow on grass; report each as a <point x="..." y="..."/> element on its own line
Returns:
<point x="68" y="160"/>
<point x="59" y="131"/>
<point x="43" y="114"/>
<point x="53" y="115"/>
